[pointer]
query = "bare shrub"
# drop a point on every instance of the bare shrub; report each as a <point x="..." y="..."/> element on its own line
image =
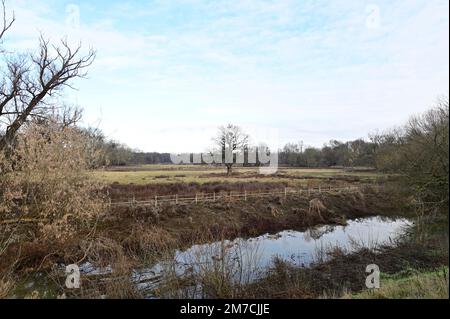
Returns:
<point x="45" y="182"/>
<point x="419" y="152"/>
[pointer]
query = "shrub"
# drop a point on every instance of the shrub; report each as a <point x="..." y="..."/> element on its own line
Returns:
<point x="45" y="183"/>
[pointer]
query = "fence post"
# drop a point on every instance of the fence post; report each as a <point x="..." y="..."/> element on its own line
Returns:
<point x="176" y="199"/>
<point x="320" y="190"/>
<point x="285" y="192"/>
<point x="196" y="199"/>
<point x="245" y="195"/>
<point x="214" y="196"/>
<point x="156" y="200"/>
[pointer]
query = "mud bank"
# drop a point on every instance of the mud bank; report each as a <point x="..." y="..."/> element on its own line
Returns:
<point x="137" y="235"/>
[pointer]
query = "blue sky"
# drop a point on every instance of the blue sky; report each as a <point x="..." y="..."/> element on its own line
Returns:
<point x="167" y="73"/>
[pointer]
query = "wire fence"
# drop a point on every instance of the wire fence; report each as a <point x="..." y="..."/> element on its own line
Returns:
<point x="176" y="199"/>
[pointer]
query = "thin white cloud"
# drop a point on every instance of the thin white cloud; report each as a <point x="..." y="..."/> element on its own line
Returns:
<point x="307" y="67"/>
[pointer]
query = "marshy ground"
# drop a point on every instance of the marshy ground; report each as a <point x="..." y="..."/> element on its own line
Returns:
<point x="130" y="238"/>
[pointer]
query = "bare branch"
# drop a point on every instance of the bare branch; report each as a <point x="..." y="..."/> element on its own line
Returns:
<point x="30" y="83"/>
<point x="5" y="23"/>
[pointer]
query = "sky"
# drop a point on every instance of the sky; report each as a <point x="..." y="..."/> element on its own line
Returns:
<point x="168" y="73"/>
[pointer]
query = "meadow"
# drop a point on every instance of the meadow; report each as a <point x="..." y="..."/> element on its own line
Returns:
<point x="160" y="174"/>
<point x="131" y="239"/>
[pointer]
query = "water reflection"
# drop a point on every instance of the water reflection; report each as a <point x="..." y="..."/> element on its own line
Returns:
<point x="244" y="260"/>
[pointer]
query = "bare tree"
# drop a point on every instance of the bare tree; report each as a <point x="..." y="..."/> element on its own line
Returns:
<point x="230" y="140"/>
<point x="419" y="152"/>
<point x="30" y="81"/>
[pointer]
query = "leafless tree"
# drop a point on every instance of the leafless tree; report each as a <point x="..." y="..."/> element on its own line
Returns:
<point x="230" y="140"/>
<point x="28" y="82"/>
<point x="419" y="152"/>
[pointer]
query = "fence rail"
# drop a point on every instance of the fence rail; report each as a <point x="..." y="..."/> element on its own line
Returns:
<point x="244" y="195"/>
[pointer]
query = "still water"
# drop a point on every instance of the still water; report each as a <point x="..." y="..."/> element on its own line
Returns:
<point x="245" y="260"/>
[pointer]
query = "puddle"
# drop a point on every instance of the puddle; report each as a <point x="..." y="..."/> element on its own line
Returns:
<point x="244" y="260"/>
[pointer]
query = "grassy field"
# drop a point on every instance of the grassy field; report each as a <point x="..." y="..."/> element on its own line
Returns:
<point x="150" y="174"/>
<point x="418" y="285"/>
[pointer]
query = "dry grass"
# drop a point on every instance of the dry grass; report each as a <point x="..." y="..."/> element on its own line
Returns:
<point x="148" y="242"/>
<point x="6" y="286"/>
<point x="162" y="174"/>
<point x="118" y="192"/>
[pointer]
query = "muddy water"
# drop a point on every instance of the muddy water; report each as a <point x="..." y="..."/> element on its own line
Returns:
<point x="244" y="260"/>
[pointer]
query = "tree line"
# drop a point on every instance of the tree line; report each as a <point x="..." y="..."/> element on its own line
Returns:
<point x="335" y="153"/>
<point x="357" y="153"/>
<point x="418" y="152"/>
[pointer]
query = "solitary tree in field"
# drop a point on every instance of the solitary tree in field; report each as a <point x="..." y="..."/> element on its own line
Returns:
<point x="27" y="82"/>
<point x="230" y="140"/>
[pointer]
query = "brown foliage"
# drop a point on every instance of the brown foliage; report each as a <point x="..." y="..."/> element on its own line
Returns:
<point x="45" y="182"/>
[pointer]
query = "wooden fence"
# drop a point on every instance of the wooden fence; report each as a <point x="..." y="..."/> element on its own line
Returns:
<point x="244" y="195"/>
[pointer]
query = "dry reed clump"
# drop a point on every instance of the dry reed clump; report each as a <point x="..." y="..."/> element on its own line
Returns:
<point x="316" y="209"/>
<point x="282" y="280"/>
<point x="122" y="288"/>
<point x="45" y="182"/>
<point x="104" y="252"/>
<point x="142" y="246"/>
<point x="108" y="255"/>
<point x="148" y="242"/>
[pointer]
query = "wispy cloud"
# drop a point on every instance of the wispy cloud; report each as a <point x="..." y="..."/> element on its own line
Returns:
<point x="310" y="68"/>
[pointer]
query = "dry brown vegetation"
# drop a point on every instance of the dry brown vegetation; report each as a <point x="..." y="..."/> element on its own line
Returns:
<point x="46" y="195"/>
<point x="54" y="212"/>
<point x="127" y="238"/>
<point x="130" y="237"/>
<point x="119" y="192"/>
<point x="45" y="184"/>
